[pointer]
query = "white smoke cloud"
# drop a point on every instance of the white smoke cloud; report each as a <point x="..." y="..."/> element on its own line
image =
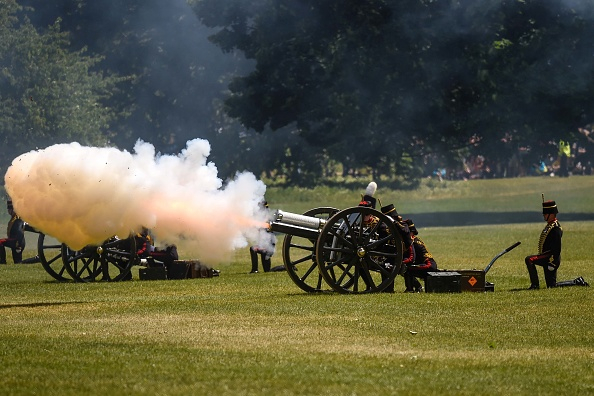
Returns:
<point x="85" y="195"/>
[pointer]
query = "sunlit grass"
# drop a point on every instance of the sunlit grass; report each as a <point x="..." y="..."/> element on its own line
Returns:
<point x="252" y="334"/>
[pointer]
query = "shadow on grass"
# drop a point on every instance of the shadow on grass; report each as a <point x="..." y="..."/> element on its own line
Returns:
<point x="452" y="219"/>
<point x="34" y="305"/>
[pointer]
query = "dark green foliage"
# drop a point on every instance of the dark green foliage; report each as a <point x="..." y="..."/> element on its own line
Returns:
<point x="371" y="81"/>
<point x="48" y="93"/>
<point x="296" y="87"/>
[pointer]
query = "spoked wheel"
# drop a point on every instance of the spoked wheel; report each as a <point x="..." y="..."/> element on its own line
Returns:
<point x="110" y="261"/>
<point x="359" y="250"/>
<point x="299" y="255"/>
<point x="50" y="255"/>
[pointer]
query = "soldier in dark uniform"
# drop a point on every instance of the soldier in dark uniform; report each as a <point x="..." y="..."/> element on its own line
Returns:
<point x="401" y="225"/>
<point x="16" y="237"/>
<point x="549" y="252"/>
<point x="266" y="251"/>
<point x="418" y="262"/>
<point x="403" y="230"/>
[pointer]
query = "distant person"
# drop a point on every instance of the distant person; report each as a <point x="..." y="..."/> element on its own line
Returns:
<point x="418" y="261"/>
<point x="549" y="252"/>
<point x="15" y="236"/>
<point x="264" y="250"/>
<point x="564" y="154"/>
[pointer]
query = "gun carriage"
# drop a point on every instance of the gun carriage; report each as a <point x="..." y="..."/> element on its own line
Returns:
<point x="355" y="250"/>
<point x="110" y="261"/>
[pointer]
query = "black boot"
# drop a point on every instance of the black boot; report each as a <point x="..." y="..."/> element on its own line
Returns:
<point x="31" y="260"/>
<point x="418" y="288"/>
<point x="581" y="282"/>
<point x="575" y="282"/>
<point x="266" y="262"/>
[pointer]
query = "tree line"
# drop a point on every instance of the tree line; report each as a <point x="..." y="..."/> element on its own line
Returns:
<point x="300" y="89"/>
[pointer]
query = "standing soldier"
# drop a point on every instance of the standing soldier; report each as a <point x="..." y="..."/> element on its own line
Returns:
<point x="549" y="251"/>
<point x="15" y="236"/>
<point x="265" y="249"/>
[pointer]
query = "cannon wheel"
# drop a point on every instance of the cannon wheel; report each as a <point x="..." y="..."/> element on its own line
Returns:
<point x="50" y="255"/>
<point x="299" y="255"/>
<point x="110" y="261"/>
<point x="357" y="258"/>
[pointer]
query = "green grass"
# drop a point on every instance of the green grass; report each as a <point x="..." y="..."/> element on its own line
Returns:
<point x="243" y="334"/>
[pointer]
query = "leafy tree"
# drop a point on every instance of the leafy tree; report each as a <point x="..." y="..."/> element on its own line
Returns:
<point x="177" y="74"/>
<point x="48" y="94"/>
<point x="380" y="80"/>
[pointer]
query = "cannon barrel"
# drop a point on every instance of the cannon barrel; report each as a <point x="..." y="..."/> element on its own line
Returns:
<point x="296" y="224"/>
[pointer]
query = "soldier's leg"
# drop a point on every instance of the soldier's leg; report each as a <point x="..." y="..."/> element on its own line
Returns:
<point x="17" y="255"/>
<point x="550" y="273"/>
<point x="417" y="285"/>
<point x="568" y="283"/>
<point x="266" y="262"/>
<point x="579" y="281"/>
<point x="408" y="283"/>
<point x="412" y="283"/>
<point x="390" y="287"/>
<point x="2" y="255"/>
<point x="254" y="258"/>
<point x="531" y="266"/>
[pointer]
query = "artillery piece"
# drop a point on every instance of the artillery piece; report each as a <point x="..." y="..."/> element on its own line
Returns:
<point x="111" y="261"/>
<point x="355" y="250"/>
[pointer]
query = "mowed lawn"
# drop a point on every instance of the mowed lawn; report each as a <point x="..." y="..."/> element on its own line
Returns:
<point x="259" y="334"/>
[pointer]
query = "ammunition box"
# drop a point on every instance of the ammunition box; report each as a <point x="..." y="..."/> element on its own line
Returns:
<point x="177" y="270"/>
<point x="199" y="270"/>
<point x="152" y="273"/>
<point x="443" y="282"/>
<point x="472" y="280"/>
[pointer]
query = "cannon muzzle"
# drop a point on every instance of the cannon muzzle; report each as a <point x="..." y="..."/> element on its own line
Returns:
<point x="296" y="224"/>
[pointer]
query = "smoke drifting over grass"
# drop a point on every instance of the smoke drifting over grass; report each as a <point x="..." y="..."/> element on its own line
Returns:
<point x="84" y="195"/>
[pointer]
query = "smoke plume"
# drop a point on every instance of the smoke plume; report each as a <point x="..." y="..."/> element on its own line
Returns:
<point x="85" y="195"/>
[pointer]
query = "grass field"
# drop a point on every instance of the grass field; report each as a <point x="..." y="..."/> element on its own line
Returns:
<point x="258" y="334"/>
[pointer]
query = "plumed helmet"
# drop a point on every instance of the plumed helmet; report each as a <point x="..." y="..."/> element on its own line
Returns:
<point x="368" y="200"/>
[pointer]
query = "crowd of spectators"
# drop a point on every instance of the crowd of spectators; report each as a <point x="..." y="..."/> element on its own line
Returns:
<point x="564" y="159"/>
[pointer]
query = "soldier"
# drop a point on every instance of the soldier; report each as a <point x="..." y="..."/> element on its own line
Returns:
<point x="15" y="236"/>
<point x="401" y="225"/>
<point x="418" y="262"/>
<point x="265" y="250"/>
<point x="549" y="252"/>
<point x="403" y="230"/>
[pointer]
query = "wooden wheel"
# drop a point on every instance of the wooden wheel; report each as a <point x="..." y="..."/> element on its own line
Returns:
<point x="299" y="255"/>
<point x="356" y="256"/>
<point x="111" y="261"/>
<point x="50" y="255"/>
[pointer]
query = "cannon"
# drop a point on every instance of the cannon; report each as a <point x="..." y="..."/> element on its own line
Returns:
<point x="110" y="261"/>
<point x="355" y="250"/>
